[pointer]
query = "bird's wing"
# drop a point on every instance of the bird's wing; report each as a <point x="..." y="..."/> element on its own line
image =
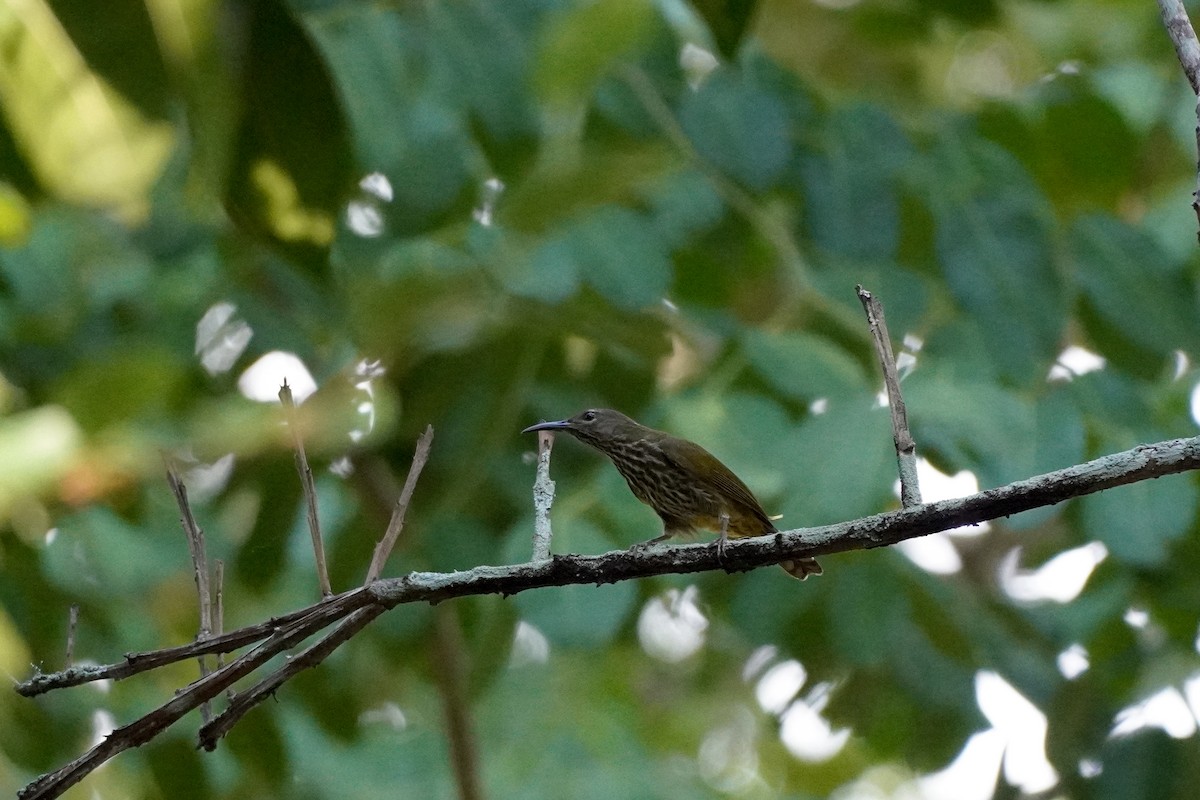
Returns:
<point x="683" y="453"/>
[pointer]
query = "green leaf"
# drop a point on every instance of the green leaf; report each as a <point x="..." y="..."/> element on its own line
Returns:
<point x="841" y="465"/>
<point x="97" y="554"/>
<point x="573" y="616"/>
<point x="739" y="128"/>
<point x="551" y="273"/>
<point x="1078" y="130"/>
<point x="619" y="253"/>
<point x="869" y="613"/>
<point x="992" y="239"/>
<point x="140" y="383"/>
<point x="803" y="366"/>
<point x="850" y="196"/>
<point x="1141" y="296"/>
<point x="84" y="139"/>
<point x="1148" y="765"/>
<point x="585" y="43"/>
<point x="684" y="204"/>
<point x="1138" y="522"/>
<point x="998" y="434"/>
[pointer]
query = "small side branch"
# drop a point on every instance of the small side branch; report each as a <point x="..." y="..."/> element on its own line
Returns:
<point x="396" y="524"/>
<point x="211" y="732"/>
<point x="543" y="498"/>
<point x="309" y="486"/>
<point x="195" y="540"/>
<point x="145" y="728"/>
<point x="906" y="448"/>
<point x="136" y="663"/>
<point x="219" y="622"/>
<point x="1187" y="50"/>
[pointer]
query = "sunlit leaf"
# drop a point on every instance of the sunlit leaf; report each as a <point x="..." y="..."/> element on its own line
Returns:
<point x="83" y="138"/>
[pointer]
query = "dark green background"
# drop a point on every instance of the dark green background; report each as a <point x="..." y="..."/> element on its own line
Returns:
<point x="1010" y="178"/>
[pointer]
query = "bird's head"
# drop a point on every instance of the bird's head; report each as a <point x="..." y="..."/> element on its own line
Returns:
<point x="596" y="426"/>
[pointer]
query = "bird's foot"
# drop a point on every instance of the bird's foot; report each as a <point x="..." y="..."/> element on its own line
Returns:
<point x="722" y="540"/>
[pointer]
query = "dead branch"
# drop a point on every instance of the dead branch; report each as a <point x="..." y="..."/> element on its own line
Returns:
<point x="396" y="524"/>
<point x="906" y="448"/>
<point x="543" y="498"/>
<point x="309" y="487"/>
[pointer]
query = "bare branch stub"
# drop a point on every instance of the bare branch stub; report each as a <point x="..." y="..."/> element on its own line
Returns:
<point x="195" y="540"/>
<point x="543" y="498"/>
<point x="1187" y="50"/>
<point x="906" y="448"/>
<point x="309" y="487"/>
<point x="396" y="524"/>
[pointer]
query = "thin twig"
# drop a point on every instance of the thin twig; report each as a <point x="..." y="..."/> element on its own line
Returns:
<point x="136" y="663"/>
<point x="212" y="731"/>
<point x="195" y="540"/>
<point x="219" y="622"/>
<point x="448" y="656"/>
<point x="906" y="448"/>
<point x="1130" y="466"/>
<point x="72" y="622"/>
<point x="150" y="725"/>
<point x="309" y="487"/>
<point x="543" y="498"/>
<point x="1187" y="50"/>
<point x="383" y="548"/>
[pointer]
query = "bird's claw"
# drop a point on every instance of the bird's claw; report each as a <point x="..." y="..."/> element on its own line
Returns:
<point x="723" y="539"/>
<point x="720" y="545"/>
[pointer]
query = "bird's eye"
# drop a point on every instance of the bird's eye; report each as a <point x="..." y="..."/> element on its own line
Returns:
<point x="589" y="416"/>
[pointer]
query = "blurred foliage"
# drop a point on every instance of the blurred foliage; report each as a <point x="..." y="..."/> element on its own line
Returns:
<point x="479" y="214"/>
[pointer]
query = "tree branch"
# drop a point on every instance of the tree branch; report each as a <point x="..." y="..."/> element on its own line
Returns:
<point x="396" y="524"/>
<point x="1187" y="50"/>
<point x="309" y="487"/>
<point x="195" y="540"/>
<point x="212" y="731"/>
<point x="906" y="448"/>
<point x="136" y="663"/>
<point x="543" y="498"/>
<point x="145" y="728"/>
<point x="1130" y="466"/>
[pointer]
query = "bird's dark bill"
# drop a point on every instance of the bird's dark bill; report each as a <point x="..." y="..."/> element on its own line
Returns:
<point x="558" y="425"/>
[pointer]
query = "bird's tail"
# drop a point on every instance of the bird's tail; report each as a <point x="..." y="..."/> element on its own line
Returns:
<point x="801" y="567"/>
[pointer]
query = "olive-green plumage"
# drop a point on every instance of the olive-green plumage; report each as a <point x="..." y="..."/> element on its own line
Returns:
<point x="687" y="486"/>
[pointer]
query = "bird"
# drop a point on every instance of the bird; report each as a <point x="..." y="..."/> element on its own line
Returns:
<point x="687" y="486"/>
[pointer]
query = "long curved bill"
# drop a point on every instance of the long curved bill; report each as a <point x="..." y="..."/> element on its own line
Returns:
<point x="557" y="425"/>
